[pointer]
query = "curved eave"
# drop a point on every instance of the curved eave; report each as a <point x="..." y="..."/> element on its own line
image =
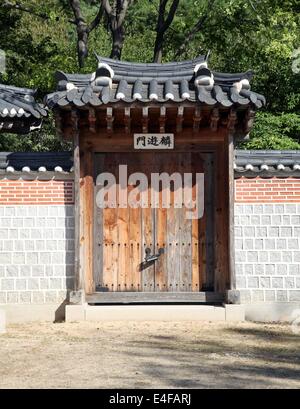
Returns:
<point x="19" y="103"/>
<point x="80" y="99"/>
<point x="20" y="126"/>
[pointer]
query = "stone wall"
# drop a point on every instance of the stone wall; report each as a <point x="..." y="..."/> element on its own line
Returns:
<point x="267" y="240"/>
<point x="36" y="242"/>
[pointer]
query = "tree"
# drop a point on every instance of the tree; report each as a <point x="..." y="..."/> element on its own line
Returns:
<point x="262" y="35"/>
<point x="190" y="35"/>
<point x="164" y="20"/>
<point x="84" y="29"/>
<point x="115" y="15"/>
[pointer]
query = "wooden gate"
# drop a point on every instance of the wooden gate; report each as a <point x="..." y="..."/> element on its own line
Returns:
<point x="154" y="248"/>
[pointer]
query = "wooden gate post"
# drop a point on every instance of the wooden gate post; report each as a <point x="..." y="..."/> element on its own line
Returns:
<point x="88" y="218"/>
<point x="232" y="296"/>
<point x="231" y="212"/>
<point x="78" y="295"/>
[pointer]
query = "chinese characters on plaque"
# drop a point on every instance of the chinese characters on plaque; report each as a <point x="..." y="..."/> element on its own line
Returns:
<point x="153" y="141"/>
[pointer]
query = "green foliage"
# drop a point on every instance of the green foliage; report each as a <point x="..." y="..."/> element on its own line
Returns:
<point x="274" y="132"/>
<point x="271" y="141"/>
<point x="241" y="34"/>
<point x="42" y="140"/>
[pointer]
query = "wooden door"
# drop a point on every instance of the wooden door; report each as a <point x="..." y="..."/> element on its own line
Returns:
<point x="124" y="235"/>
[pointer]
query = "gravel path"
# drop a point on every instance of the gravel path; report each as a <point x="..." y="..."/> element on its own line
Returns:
<point x="149" y="355"/>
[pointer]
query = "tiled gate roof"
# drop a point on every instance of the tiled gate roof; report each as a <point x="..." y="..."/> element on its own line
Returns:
<point x="192" y="81"/>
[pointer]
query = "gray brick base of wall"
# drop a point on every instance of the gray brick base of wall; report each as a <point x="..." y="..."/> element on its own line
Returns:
<point x="267" y="252"/>
<point x="36" y="254"/>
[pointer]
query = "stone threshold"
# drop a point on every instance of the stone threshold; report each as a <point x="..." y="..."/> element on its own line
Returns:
<point x="85" y="312"/>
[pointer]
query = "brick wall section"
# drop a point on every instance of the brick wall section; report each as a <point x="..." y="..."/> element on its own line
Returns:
<point x="274" y="190"/>
<point x="54" y="192"/>
<point x="36" y="253"/>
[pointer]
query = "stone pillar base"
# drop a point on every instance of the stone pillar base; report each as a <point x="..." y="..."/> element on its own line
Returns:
<point x="234" y="312"/>
<point x="77" y="297"/>
<point x="2" y="321"/>
<point x="75" y="313"/>
<point x="233" y="297"/>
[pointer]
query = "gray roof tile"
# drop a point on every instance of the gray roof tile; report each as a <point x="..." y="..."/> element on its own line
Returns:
<point x="266" y="163"/>
<point x="272" y="159"/>
<point x="19" y="112"/>
<point x="177" y="79"/>
<point x="35" y="160"/>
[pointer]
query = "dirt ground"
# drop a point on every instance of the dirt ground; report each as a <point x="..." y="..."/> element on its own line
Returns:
<point x="149" y="355"/>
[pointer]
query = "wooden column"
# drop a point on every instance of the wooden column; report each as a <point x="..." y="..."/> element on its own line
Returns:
<point x="221" y="226"/>
<point x="88" y="217"/>
<point x="77" y="296"/>
<point x="84" y="210"/>
<point x="231" y="244"/>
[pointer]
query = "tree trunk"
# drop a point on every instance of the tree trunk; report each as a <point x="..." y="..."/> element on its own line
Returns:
<point x="82" y="43"/>
<point x="164" y="20"/>
<point x="118" y="36"/>
<point x="158" y="48"/>
<point x="194" y="30"/>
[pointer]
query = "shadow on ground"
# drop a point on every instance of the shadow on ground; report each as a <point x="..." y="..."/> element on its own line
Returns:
<point x="150" y="355"/>
<point x="243" y="358"/>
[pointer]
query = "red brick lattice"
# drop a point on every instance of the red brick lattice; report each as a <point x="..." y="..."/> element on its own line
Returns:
<point x="274" y="190"/>
<point x="50" y="192"/>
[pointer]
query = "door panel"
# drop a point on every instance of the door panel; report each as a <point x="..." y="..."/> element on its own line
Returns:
<point x="122" y="235"/>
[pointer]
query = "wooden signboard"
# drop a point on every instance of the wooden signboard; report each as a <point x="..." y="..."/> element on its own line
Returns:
<point x="153" y="141"/>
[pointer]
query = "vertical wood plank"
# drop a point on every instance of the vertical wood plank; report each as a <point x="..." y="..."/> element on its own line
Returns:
<point x="196" y="266"/>
<point x="173" y="232"/>
<point x="134" y="273"/>
<point x="123" y="239"/>
<point x="161" y="273"/>
<point x="110" y="237"/>
<point x="148" y="231"/>
<point x="185" y="231"/>
<point x="209" y="221"/>
<point x="88" y="219"/>
<point x="198" y="231"/>
<point x="98" y="225"/>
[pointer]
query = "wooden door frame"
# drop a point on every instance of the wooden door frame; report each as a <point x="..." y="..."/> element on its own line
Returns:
<point x="86" y="144"/>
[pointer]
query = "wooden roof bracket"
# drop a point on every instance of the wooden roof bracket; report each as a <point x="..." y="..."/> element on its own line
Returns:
<point x="197" y="118"/>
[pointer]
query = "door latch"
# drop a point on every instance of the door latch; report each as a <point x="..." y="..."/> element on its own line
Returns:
<point x="153" y="257"/>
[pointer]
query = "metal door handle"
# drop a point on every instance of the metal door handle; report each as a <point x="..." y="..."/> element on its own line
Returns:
<point x="153" y="257"/>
